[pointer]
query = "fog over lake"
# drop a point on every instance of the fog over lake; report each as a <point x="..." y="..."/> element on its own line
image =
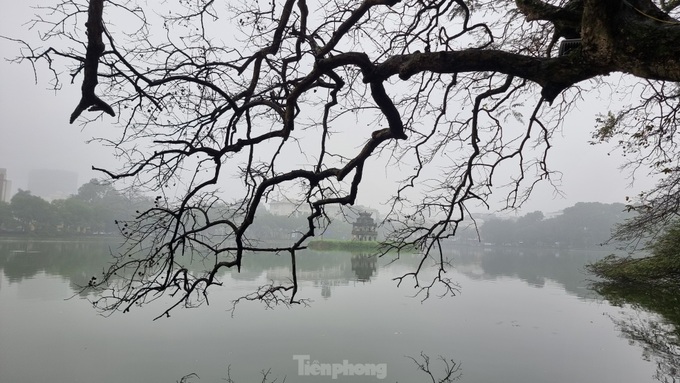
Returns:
<point x="522" y="315"/>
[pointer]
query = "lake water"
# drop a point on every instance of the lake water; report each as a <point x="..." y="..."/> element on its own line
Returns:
<point x="521" y="316"/>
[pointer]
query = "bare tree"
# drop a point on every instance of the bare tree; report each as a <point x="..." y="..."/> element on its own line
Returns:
<point x="295" y="96"/>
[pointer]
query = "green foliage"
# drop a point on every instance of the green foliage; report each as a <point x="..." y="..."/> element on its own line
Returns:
<point x="6" y="216"/>
<point x="344" y="245"/>
<point x="668" y="245"/>
<point x="94" y="209"/>
<point x="661" y="268"/>
<point x="651" y="283"/>
<point x="32" y="213"/>
<point x="97" y="206"/>
<point x="606" y="127"/>
<point x="648" y="270"/>
<point x="351" y="246"/>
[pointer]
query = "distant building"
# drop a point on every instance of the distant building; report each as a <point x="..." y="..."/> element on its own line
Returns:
<point x="5" y="186"/>
<point x="51" y="184"/>
<point x="552" y="214"/>
<point x="364" y="228"/>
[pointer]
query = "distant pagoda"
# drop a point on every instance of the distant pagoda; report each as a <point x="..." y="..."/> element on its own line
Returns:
<point x="364" y="228"/>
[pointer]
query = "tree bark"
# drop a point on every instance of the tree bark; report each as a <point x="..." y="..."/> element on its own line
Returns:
<point x="95" y="48"/>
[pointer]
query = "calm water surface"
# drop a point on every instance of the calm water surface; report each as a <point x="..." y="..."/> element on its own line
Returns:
<point x="521" y="316"/>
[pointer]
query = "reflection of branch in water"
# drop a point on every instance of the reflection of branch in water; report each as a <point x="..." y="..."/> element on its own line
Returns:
<point x="653" y="326"/>
<point x="451" y="371"/>
<point x="265" y="376"/>
<point x="658" y="341"/>
<point x="451" y="368"/>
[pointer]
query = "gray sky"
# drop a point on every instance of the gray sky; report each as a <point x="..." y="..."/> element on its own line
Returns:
<point x="34" y="128"/>
<point x="35" y="133"/>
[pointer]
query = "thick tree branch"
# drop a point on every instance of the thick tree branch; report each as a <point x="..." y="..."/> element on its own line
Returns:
<point x="95" y="48"/>
<point x="553" y="75"/>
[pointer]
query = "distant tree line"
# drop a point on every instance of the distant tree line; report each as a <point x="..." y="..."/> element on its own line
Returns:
<point x="582" y="225"/>
<point x="93" y="210"/>
<point x="98" y="207"/>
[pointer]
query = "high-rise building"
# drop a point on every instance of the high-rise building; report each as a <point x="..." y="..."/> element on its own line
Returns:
<point x="52" y="184"/>
<point x="5" y="186"/>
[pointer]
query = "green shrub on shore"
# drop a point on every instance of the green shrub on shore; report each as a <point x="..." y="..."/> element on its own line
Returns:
<point x="654" y="269"/>
<point x="361" y="246"/>
<point x="326" y="245"/>
<point x="661" y="268"/>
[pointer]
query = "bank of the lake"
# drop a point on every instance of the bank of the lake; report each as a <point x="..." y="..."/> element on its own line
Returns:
<point x="339" y="245"/>
<point x="354" y="246"/>
<point x="32" y="237"/>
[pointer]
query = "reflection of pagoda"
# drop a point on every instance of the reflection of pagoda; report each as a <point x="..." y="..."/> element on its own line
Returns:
<point x="364" y="228"/>
<point x="363" y="266"/>
<point x="325" y="290"/>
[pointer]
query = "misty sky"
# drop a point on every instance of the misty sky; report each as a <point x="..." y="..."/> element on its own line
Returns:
<point x="35" y="134"/>
<point x="34" y="129"/>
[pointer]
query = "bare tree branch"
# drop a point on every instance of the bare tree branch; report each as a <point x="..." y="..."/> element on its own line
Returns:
<point x="95" y="48"/>
<point x="223" y="107"/>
